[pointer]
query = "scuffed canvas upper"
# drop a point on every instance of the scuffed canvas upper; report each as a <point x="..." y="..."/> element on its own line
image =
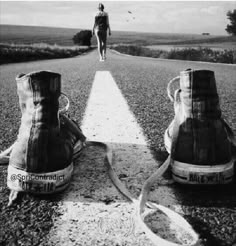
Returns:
<point x="45" y="140"/>
<point x="202" y="138"/>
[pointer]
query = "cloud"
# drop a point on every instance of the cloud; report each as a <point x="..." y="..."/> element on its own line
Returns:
<point x="148" y="16"/>
<point x="212" y="10"/>
<point x="178" y="14"/>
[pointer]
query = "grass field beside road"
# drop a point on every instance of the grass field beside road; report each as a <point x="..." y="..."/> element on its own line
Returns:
<point x="213" y="46"/>
<point x="63" y="36"/>
<point x="190" y="54"/>
<point x="26" y="43"/>
<point x="10" y="53"/>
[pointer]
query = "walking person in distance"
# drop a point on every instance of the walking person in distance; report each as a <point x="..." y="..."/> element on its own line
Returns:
<point x="101" y="25"/>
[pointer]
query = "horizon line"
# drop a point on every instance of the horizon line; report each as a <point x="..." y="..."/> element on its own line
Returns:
<point x="81" y="28"/>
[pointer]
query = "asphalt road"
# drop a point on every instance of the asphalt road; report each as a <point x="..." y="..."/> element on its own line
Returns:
<point x="143" y="81"/>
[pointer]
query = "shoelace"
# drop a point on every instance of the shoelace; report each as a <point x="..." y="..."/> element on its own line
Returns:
<point x="142" y="202"/>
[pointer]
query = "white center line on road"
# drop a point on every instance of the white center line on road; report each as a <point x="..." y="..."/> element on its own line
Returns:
<point x="107" y="116"/>
<point x="108" y="119"/>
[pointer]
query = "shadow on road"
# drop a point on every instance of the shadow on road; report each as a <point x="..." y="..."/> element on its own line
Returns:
<point x="202" y="206"/>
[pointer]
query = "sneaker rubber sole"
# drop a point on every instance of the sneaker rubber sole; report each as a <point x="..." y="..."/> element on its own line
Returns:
<point x="186" y="173"/>
<point x="39" y="183"/>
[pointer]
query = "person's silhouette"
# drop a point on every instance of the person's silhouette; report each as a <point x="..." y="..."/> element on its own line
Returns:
<point x="101" y="25"/>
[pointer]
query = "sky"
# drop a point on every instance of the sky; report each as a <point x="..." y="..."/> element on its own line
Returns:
<point x="154" y="16"/>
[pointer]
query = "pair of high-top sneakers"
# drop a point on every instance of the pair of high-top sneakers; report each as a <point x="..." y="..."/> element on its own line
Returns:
<point x="198" y="139"/>
<point x="41" y="159"/>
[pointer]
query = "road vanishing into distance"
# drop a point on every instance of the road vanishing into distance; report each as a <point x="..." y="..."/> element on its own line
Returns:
<point x="130" y="110"/>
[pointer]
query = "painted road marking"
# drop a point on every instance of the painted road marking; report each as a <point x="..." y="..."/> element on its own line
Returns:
<point x="108" y="119"/>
